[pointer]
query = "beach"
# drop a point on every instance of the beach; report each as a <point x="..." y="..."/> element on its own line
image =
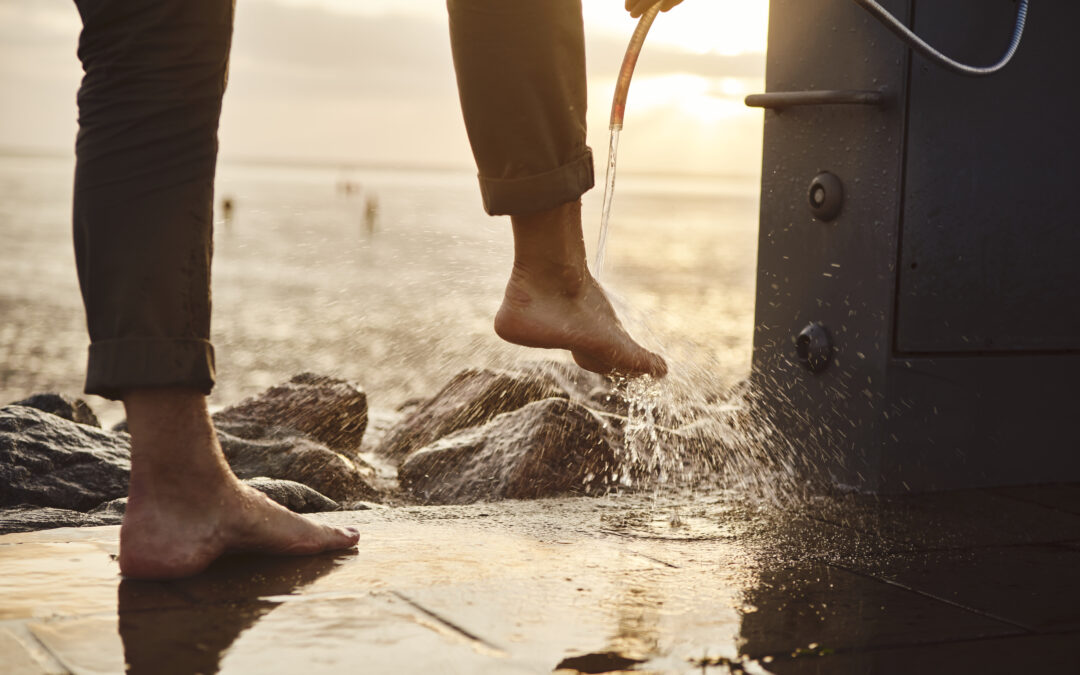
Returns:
<point x="301" y="284"/>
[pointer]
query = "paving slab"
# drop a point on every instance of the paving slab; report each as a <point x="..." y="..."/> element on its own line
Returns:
<point x="673" y="583"/>
<point x="1034" y="587"/>
<point x="819" y="606"/>
<point x="956" y="519"/>
<point x="1062" y="496"/>
<point x="1004" y="656"/>
<point x="428" y="590"/>
<point x="22" y="654"/>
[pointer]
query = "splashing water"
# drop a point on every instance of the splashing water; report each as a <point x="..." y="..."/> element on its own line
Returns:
<point x="697" y="427"/>
<point x="685" y="431"/>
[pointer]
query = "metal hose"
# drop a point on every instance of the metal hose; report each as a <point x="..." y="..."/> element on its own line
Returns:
<point x="622" y="85"/>
<point x="921" y="46"/>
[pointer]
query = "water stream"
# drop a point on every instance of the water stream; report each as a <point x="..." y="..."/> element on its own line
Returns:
<point x="618" y="110"/>
<point x="609" y="193"/>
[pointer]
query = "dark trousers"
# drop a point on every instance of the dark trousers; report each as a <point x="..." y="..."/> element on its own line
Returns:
<point x="146" y="152"/>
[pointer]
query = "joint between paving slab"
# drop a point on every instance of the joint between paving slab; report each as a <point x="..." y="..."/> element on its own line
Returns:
<point x="655" y="560"/>
<point x="931" y="596"/>
<point x="57" y="662"/>
<point x="473" y="638"/>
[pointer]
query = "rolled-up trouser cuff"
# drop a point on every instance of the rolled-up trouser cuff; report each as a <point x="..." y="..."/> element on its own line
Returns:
<point x="518" y="196"/>
<point x="116" y="366"/>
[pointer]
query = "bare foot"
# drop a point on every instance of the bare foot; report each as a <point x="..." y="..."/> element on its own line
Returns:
<point x="186" y="508"/>
<point x="553" y="302"/>
<point x="575" y="316"/>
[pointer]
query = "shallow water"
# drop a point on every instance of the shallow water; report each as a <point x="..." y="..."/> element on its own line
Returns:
<point x="300" y="283"/>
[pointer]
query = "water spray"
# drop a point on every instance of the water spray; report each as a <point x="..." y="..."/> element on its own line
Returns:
<point x="618" y="109"/>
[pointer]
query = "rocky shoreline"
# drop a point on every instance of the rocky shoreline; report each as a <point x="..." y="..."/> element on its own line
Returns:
<point x="312" y="444"/>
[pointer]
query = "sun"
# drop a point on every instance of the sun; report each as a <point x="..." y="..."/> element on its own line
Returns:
<point x="727" y="27"/>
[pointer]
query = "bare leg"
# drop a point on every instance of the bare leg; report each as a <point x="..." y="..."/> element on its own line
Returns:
<point x="553" y="302"/>
<point x="185" y="506"/>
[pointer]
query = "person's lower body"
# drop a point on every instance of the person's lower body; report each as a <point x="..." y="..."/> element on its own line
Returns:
<point x="521" y="78"/>
<point x="146" y="153"/>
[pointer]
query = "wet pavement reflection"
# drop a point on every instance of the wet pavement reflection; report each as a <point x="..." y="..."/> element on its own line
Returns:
<point x="695" y="582"/>
<point x="217" y="607"/>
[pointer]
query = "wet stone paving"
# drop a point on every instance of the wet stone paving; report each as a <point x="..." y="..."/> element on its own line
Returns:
<point x="691" y="581"/>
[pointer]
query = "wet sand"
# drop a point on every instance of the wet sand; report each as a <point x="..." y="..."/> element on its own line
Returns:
<point x="300" y="284"/>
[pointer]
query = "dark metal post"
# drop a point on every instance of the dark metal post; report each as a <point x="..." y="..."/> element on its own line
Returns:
<point x="917" y="221"/>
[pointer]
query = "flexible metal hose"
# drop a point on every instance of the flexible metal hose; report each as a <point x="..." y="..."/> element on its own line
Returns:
<point x="622" y="85"/>
<point x="921" y="46"/>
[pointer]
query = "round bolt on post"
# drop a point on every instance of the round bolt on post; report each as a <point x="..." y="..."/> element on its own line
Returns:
<point x="826" y="196"/>
<point x="814" y="347"/>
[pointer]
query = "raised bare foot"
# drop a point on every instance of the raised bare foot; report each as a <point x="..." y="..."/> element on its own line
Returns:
<point x="186" y="508"/>
<point x="553" y="302"/>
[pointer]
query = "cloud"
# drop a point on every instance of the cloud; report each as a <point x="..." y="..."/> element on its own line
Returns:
<point x="605" y="53"/>
<point x="309" y="82"/>
<point x="311" y="50"/>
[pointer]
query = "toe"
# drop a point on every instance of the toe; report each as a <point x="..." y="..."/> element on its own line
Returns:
<point x="350" y="536"/>
<point x="341" y="538"/>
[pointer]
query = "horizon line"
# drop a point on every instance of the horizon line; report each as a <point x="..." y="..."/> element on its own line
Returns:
<point x="357" y="165"/>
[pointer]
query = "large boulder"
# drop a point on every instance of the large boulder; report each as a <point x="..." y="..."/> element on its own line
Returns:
<point x="472" y="398"/>
<point x="308" y="430"/>
<point x="46" y="460"/>
<point x="263" y="452"/>
<point x="74" y="409"/>
<point x="330" y="411"/>
<point x="546" y="448"/>
<point x="293" y="496"/>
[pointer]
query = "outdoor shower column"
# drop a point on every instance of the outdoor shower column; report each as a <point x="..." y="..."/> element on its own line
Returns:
<point x="918" y="304"/>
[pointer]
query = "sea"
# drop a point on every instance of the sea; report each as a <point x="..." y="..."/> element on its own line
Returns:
<point x="389" y="277"/>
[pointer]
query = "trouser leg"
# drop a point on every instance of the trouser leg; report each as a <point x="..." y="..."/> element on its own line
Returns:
<point x="145" y="158"/>
<point x="521" y="78"/>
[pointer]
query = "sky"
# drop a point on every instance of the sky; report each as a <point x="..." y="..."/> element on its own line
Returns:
<point x="371" y="82"/>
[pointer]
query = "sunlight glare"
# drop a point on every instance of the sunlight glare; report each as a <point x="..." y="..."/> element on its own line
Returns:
<point x="726" y="27"/>
<point x="706" y="99"/>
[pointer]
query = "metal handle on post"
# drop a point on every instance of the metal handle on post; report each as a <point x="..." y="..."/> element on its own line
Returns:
<point x="778" y="100"/>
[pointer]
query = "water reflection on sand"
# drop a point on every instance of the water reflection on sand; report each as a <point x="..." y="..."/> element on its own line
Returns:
<point x="301" y="283"/>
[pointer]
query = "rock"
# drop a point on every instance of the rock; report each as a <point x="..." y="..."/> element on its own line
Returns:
<point x="295" y="458"/>
<point x="579" y="383"/>
<point x="330" y="411"/>
<point x="293" y="496"/>
<point x="609" y="400"/>
<point x="547" y="448"/>
<point x="46" y="460"/>
<point x="380" y="423"/>
<point x="74" y="409"/>
<point x="409" y="406"/>
<point x="114" y="508"/>
<point x="472" y="398"/>
<point x="27" y="518"/>
<point x="308" y="430"/>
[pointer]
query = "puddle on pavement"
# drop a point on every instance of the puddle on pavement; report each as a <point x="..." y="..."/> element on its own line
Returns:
<point x="489" y="588"/>
<point x="696" y="582"/>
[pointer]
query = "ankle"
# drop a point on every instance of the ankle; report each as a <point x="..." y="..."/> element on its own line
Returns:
<point x="173" y="441"/>
<point x="549" y="246"/>
<point x="546" y="277"/>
